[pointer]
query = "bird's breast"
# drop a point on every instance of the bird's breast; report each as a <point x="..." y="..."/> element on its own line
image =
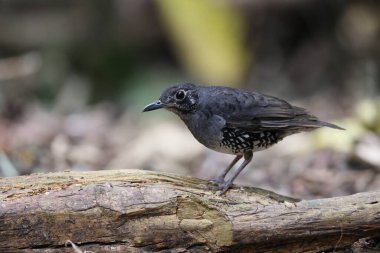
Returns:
<point x="206" y="128"/>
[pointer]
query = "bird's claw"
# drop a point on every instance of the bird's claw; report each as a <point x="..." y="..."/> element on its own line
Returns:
<point x="219" y="185"/>
<point x="216" y="181"/>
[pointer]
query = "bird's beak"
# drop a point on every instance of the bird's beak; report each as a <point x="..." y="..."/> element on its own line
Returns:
<point x="153" y="106"/>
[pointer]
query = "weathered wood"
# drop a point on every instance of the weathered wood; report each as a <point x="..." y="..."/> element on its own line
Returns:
<point x="139" y="211"/>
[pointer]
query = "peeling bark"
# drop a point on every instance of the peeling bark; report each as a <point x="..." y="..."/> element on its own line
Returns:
<point x="140" y="211"/>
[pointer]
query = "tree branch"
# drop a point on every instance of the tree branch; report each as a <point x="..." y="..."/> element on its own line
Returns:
<point x="135" y="210"/>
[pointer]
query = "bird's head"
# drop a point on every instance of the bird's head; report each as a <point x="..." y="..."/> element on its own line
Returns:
<point x="180" y="99"/>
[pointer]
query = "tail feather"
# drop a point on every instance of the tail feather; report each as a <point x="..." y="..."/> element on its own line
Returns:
<point x="327" y="124"/>
<point x="311" y="120"/>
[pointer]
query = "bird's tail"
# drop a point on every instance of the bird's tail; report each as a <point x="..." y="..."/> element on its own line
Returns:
<point x="307" y="125"/>
<point x="310" y="121"/>
<point x="327" y="124"/>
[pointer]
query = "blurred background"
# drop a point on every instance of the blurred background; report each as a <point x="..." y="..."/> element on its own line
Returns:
<point x="75" y="75"/>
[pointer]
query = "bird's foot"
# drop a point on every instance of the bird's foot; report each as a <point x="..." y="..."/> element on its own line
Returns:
<point x="216" y="181"/>
<point x="219" y="185"/>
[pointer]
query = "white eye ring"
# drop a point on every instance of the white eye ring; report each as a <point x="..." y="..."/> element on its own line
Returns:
<point x="180" y="95"/>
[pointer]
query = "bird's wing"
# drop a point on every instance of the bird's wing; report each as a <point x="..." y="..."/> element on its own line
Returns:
<point x="257" y="112"/>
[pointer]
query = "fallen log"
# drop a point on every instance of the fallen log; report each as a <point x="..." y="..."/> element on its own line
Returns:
<point x="144" y="211"/>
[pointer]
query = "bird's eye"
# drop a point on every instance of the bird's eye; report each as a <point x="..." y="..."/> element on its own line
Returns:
<point x="180" y="95"/>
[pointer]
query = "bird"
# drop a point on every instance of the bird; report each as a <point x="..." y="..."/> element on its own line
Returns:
<point x="234" y="121"/>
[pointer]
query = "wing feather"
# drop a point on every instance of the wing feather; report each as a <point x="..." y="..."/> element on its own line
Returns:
<point x="254" y="112"/>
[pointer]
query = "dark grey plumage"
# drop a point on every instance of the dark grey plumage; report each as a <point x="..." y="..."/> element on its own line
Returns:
<point x="233" y="121"/>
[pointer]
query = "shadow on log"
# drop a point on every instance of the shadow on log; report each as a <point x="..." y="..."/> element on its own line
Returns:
<point x="144" y="211"/>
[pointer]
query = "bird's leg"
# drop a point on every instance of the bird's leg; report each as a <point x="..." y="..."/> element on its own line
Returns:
<point x="227" y="184"/>
<point x="220" y="179"/>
